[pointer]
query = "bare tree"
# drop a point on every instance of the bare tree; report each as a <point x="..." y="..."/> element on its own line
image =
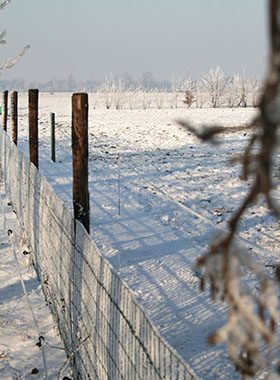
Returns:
<point x="251" y="327"/>
<point x="9" y="63"/>
<point x="215" y="85"/>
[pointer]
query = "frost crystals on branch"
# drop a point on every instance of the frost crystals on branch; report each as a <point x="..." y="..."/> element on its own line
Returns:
<point x="250" y="330"/>
<point x="6" y="2"/>
<point x="2" y="36"/>
<point x="252" y="316"/>
<point x="9" y="64"/>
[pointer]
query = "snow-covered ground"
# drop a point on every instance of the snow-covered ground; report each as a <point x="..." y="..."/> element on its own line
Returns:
<point x="157" y="196"/>
<point x="24" y="315"/>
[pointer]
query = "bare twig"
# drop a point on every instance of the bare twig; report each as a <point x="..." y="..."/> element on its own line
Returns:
<point x="207" y="133"/>
<point x="203" y="133"/>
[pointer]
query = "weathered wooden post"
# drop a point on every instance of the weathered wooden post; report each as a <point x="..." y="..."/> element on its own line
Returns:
<point x="33" y="127"/>
<point x="14" y="107"/>
<point x="5" y="110"/>
<point x="52" y="118"/>
<point x="80" y="158"/>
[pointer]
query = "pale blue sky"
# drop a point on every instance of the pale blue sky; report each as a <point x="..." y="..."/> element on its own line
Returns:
<point x="90" y="38"/>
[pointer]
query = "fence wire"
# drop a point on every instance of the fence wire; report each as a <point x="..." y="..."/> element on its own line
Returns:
<point x="94" y="309"/>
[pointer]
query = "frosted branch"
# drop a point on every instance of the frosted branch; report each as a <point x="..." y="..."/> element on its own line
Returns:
<point x="8" y="64"/>
<point x="251" y="327"/>
<point x="4" y="4"/>
<point x="2" y="36"/>
<point x="252" y="316"/>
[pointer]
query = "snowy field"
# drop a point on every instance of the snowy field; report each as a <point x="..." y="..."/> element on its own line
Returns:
<point x="157" y="196"/>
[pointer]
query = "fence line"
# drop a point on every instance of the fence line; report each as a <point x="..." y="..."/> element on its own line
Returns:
<point x="85" y="295"/>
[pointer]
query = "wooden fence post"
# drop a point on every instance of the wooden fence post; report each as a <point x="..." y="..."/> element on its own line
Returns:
<point x="80" y="158"/>
<point x="52" y="117"/>
<point x="33" y="127"/>
<point x="14" y="106"/>
<point x="5" y="110"/>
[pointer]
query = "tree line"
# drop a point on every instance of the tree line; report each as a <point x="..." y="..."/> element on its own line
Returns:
<point x="213" y="89"/>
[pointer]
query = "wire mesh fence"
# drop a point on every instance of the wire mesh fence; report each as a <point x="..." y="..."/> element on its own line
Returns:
<point x="105" y="332"/>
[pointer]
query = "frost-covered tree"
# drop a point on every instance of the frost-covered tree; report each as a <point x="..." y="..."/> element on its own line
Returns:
<point x="251" y="331"/>
<point x="214" y="84"/>
<point x="189" y="88"/>
<point x="201" y="97"/>
<point x="9" y="63"/>
<point x="242" y="89"/>
<point x="114" y="91"/>
<point x="236" y="92"/>
<point x="232" y="91"/>
<point x="159" y="96"/>
<point x="254" y="91"/>
<point x="119" y="94"/>
<point x="107" y="89"/>
<point x="188" y="84"/>
<point x="175" y="92"/>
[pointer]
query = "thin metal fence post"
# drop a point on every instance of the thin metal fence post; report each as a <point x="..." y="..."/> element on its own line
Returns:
<point x="14" y="107"/>
<point x="52" y="117"/>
